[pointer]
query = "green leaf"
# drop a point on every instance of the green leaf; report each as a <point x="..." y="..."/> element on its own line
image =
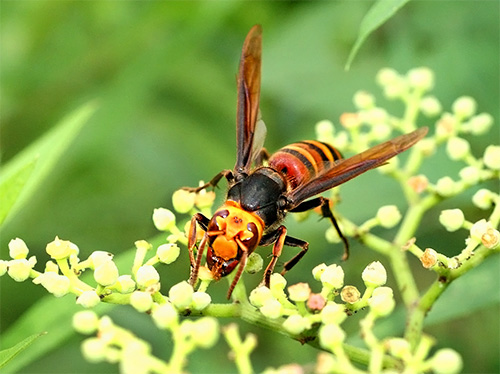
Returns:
<point x="8" y="354"/>
<point x="12" y="185"/>
<point x="20" y="177"/>
<point x="380" y="12"/>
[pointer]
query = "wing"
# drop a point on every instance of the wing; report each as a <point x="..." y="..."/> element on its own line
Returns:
<point x="247" y="113"/>
<point x="344" y="170"/>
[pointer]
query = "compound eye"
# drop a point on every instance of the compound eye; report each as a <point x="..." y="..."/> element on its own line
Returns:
<point x="251" y="241"/>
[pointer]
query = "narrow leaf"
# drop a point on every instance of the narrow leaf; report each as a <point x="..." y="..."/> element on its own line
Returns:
<point x="19" y="181"/>
<point x="8" y="354"/>
<point x="380" y="12"/>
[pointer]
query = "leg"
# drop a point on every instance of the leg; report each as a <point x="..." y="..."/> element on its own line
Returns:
<point x="326" y="212"/>
<point x="279" y="238"/>
<point x="195" y="264"/>
<point x="228" y="174"/>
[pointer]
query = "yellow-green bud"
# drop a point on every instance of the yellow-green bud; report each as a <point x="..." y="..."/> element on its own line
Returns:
<point x="181" y="295"/>
<point x="207" y="332"/>
<point x="59" y="249"/>
<point x="204" y="199"/>
<point x="18" y="249"/>
<point x="200" y="300"/>
<point x="429" y="258"/>
<point x="94" y="350"/>
<point x="165" y="316"/>
<point x="254" y="263"/>
<point x="259" y="296"/>
<point x="333" y="313"/>
<point x="58" y="285"/>
<point x="296" y="324"/>
<point x="141" y="301"/>
<point x="350" y="294"/>
<point x="163" y="219"/>
<point x="387" y="76"/>
<point x="88" y="299"/>
<point x="382" y="301"/>
<point x="452" y="219"/>
<point x="457" y="148"/>
<point x="183" y="201"/>
<point x="376" y="116"/>
<point x="106" y="274"/>
<point x="271" y="309"/>
<point x="51" y="267"/>
<point x="491" y="157"/>
<point x="331" y="336"/>
<point x="97" y="258"/>
<point x="481" y="123"/>
<point x="381" y="131"/>
<point x="363" y="100"/>
<point x="470" y="175"/>
<point x="374" y="275"/>
<point x="277" y="282"/>
<point x="446" y="187"/>
<point x="19" y="270"/>
<point x="398" y="347"/>
<point x="388" y="216"/>
<point x="3" y="267"/>
<point x="125" y="284"/>
<point x="299" y="292"/>
<point x="446" y="361"/>
<point x="85" y="322"/>
<point x="318" y="270"/>
<point x="430" y="106"/>
<point x="446" y="126"/>
<point x="325" y="131"/>
<point x="421" y="78"/>
<point x="168" y="253"/>
<point x="483" y="198"/>
<point x="464" y="107"/>
<point x="146" y="276"/>
<point x="333" y="277"/>
<point x="332" y="236"/>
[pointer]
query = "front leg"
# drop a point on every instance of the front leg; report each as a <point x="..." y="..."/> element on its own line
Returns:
<point x="228" y="174"/>
<point x="203" y="221"/>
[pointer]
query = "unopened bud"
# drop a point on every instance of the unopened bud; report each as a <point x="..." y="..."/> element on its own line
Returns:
<point x="483" y="199"/>
<point x="430" y="106"/>
<point x="141" y="301"/>
<point x="271" y="309"/>
<point x="446" y="361"/>
<point x="446" y="187"/>
<point x="452" y="219"/>
<point x="106" y="274"/>
<point x="85" y="322"/>
<point x="183" y="201"/>
<point x="299" y="292"/>
<point x="296" y="324"/>
<point x="58" y="285"/>
<point x="168" y="253"/>
<point x="470" y="175"/>
<point x="200" y="300"/>
<point x="421" y="78"/>
<point x="481" y="123"/>
<point x="146" y="276"/>
<point x="382" y="301"/>
<point x="259" y="296"/>
<point x="254" y="263"/>
<point x="207" y="332"/>
<point x="163" y="219"/>
<point x="418" y="183"/>
<point x="491" y="157"/>
<point x="464" y="107"/>
<point x="181" y="295"/>
<point x="59" y="249"/>
<point x="333" y="277"/>
<point x="388" y="216"/>
<point x="19" y="270"/>
<point x="316" y="301"/>
<point x="457" y="148"/>
<point x="333" y="313"/>
<point x="374" y="275"/>
<point x="331" y="335"/>
<point x="88" y="299"/>
<point x="18" y="249"/>
<point x="364" y="100"/>
<point x="165" y="316"/>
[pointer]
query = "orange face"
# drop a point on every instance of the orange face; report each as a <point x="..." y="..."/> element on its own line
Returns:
<point x="233" y="232"/>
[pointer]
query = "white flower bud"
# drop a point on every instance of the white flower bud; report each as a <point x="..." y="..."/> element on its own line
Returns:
<point x="452" y="219"/>
<point x="374" y="275"/>
<point x="331" y="335"/>
<point x="333" y="313"/>
<point x="94" y="350"/>
<point x="88" y="299"/>
<point x="165" y="316"/>
<point x="296" y="324"/>
<point x="106" y="274"/>
<point x="19" y="270"/>
<point x="299" y="292"/>
<point x="58" y="285"/>
<point x="388" y="216"/>
<point x="59" y="249"/>
<point x="200" y="300"/>
<point x="146" y="276"/>
<point x="470" y="175"/>
<point x="168" y="253"/>
<point x="18" y="249"/>
<point x="259" y="296"/>
<point x="430" y="106"/>
<point x="481" y="123"/>
<point x="382" y="301"/>
<point x="492" y="157"/>
<point x="181" y="295"/>
<point x="464" y="107"/>
<point x="457" y="148"/>
<point x="98" y="258"/>
<point x="446" y="361"/>
<point x="163" y="219"/>
<point x="85" y="322"/>
<point x="364" y="100"/>
<point x="483" y="198"/>
<point x="206" y="332"/>
<point x="125" y="284"/>
<point x="446" y="187"/>
<point x="183" y="201"/>
<point x="333" y="277"/>
<point x="271" y="309"/>
<point x="141" y="301"/>
<point x="421" y="78"/>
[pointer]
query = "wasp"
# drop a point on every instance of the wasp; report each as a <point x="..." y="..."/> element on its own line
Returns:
<point x="260" y="196"/>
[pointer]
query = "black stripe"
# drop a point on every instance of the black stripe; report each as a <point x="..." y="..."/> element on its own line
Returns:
<point x="317" y="149"/>
<point x="301" y="157"/>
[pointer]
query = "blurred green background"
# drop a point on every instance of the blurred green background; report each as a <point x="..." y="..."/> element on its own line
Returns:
<point x="163" y="75"/>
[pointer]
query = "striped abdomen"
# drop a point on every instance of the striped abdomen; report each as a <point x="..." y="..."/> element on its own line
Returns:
<point x="303" y="161"/>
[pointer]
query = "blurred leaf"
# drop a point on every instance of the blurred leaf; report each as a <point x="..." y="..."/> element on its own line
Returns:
<point x="20" y="178"/>
<point x="12" y="186"/>
<point x="380" y="12"/>
<point x="8" y="354"/>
